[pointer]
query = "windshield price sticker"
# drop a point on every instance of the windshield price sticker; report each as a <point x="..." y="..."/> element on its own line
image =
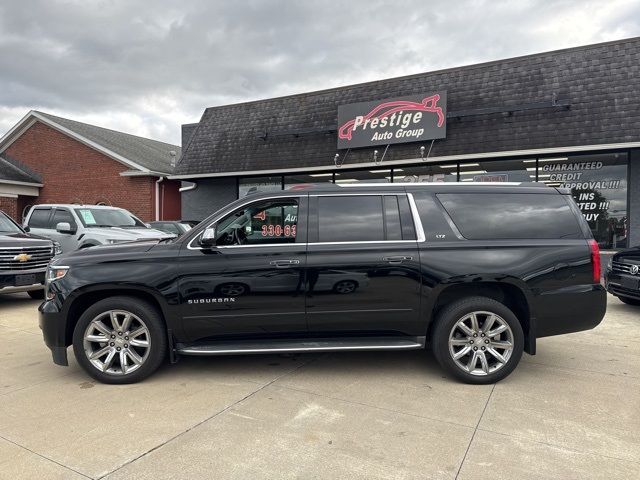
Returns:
<point x="87" y="217"/>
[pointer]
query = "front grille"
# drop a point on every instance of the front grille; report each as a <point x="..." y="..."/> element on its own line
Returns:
<point x="622" y="267"/>
<point x="40" y="257"/>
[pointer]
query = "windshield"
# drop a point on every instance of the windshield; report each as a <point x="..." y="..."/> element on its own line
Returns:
<point x="7" y="225"/>
<point x="108" y="217"/>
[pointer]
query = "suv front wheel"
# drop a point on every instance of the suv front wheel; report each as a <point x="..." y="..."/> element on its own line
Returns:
<point x="120" y="340"/>
<point x="478" y="340"/>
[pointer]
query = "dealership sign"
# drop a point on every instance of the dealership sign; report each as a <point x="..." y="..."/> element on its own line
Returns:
<point x="397" y="120"/>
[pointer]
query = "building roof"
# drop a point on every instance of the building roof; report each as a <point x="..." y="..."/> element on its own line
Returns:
<point x="141" y="155"/>
<point x="586" y="97"/>
<point x="13" y="171"/>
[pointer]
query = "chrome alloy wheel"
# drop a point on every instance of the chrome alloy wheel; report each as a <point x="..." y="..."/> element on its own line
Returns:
<point x="481" y="343"/>
<point x="117" y="342"/>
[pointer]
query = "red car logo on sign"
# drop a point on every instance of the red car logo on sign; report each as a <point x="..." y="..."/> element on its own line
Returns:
<point x="427" y="104"/>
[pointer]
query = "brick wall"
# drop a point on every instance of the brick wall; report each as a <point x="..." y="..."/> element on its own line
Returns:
<point x="74" y="173"/>
<point x="170" y="208"/>
<point x="10" y="206"/>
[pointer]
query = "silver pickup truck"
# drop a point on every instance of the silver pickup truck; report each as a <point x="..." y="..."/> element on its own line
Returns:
<point x="82" y="226"/>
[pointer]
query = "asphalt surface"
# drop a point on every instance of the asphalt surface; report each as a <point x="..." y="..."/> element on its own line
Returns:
<point x="570" y="412"/>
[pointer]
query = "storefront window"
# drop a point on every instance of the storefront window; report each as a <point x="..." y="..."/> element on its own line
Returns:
<point x="375" y="175"/>
<point x="499" y="171"/>
<point x="426" y="173"/>
<point x="599" y="186"/>
<point x="261" y="184"/>
<point x="291" y="180"/>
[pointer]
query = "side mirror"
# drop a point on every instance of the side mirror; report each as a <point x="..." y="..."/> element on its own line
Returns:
<point x="208" y="239"/>
<point x="26" y="228"/>
<point x="65" y="227"/>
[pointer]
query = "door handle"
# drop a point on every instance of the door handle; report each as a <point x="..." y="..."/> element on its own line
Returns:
<point x="396" y="259"/>
<point x="284" y="263"/>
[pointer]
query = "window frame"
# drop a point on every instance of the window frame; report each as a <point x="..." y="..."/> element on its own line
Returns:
<point x="293" y="202"/>
<point x="48" y="220"/>
<point x="464" y="230"/>
<point x="314" y="219"/>
<point x="301" y="226"/>
<point x="73" y="222"/>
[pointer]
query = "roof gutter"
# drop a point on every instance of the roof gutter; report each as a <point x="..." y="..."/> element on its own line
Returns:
<point x="148" y="173"/>
<point x="26" y="184"/>
<point x="158" y="203"/>
<point x="188" y="188"/>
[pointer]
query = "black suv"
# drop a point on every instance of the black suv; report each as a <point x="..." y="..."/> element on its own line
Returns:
<point x="623" y="276"/>
<point x="476" y="271"/>
<point x="23" y="259"/>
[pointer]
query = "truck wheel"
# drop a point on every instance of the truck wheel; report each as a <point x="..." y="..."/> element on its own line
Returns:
<point x="120" y="340"/>
<point x="629" y="301"/>
<point x="478" y="340"/>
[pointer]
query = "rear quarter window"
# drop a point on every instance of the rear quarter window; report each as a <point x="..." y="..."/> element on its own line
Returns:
<point x="504" y="216"/>
<point x="40" y="218"/>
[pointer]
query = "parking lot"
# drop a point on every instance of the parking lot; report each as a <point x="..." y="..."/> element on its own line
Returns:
<point x="572" y="411"/>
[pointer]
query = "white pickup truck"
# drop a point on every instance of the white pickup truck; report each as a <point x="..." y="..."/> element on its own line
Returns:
<point x="82" y="226"/>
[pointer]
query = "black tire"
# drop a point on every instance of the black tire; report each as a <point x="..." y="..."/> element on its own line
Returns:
<point x="448" y="317"/>
<point x="152" y="320"/>
<point x="36" y="294"/>
<point x="630" y="301"/>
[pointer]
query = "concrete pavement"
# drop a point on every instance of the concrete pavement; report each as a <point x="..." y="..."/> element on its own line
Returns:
<point x="572" y="411"/>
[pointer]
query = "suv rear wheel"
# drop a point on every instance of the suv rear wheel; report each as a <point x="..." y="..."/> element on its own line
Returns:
<point x="120" y="340"/>
<point x="478" y="340"/>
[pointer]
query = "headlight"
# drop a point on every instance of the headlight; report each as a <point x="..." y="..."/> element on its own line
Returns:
<point x="55" y="272"/>
<point x="57" y="249"/>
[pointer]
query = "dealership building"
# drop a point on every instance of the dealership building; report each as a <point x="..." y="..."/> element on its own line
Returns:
<point x="568" y="118"/>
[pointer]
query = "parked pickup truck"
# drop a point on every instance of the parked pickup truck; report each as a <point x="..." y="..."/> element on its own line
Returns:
<point x="81" y="226"/>
<point x="476" y="271"/>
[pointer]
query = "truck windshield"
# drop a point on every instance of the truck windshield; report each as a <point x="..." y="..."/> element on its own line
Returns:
<point x="7" y="225"/>
<point x="107" y="217"/>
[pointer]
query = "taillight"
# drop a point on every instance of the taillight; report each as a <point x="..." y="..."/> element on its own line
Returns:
<point x="595" y="260"/>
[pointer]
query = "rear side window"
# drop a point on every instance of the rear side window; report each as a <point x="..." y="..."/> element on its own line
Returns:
<point x="350" y="218"/>
<point x="40" y="218"/>
<point x="493" y="216"/>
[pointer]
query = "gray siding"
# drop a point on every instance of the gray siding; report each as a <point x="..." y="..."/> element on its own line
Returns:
<point x="209" y="195"/>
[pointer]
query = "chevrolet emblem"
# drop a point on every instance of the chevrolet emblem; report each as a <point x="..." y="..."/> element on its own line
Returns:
<point x="23" y="257"/>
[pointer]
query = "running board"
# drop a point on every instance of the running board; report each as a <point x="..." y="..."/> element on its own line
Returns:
<point x="301" y="345"/>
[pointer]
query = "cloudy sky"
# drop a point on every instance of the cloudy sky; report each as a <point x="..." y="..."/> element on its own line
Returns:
<point x="145" y="67"/>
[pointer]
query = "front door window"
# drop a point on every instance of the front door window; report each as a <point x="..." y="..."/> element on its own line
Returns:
<point x="262" y="223"/>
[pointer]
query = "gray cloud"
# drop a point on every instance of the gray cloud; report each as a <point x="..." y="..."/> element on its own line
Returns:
<point x="146" y="67"/>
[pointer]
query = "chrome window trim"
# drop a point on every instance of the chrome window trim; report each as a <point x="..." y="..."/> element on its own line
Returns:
<point x="362" y="242"/>
<point x="421" y="238"/>
<point x="413" y="184"/>
<point x="366" y="194"/>
<point x="420" y="235"/>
